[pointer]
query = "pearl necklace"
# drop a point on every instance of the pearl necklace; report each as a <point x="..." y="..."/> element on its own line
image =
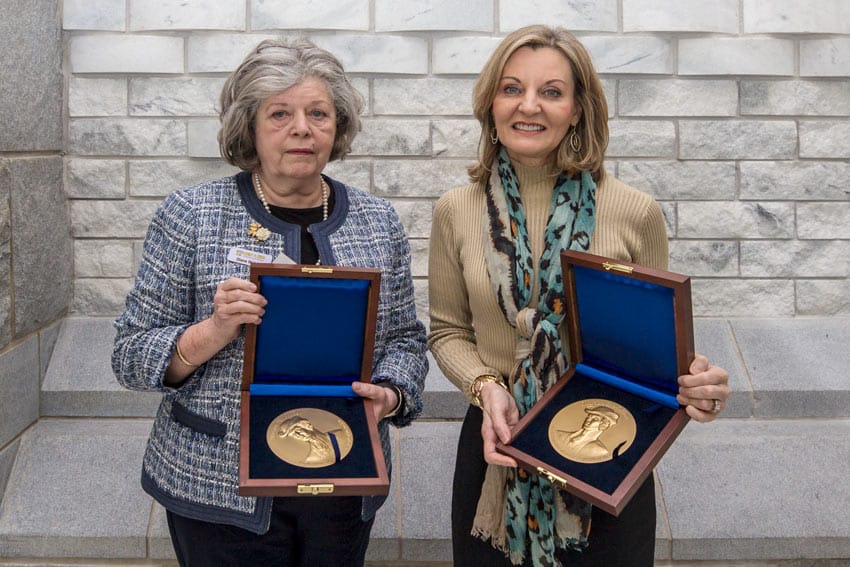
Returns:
<point x="261" y="233"/>
<point x="325" y="194"/>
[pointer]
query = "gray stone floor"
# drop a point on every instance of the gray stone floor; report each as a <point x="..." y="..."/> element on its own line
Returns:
<point x="766" y="485"/>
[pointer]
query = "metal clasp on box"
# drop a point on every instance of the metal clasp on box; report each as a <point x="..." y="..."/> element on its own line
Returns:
<point x="315" y="489"/>
<point x="552" y="477"/>
<point x="617" y="267"/>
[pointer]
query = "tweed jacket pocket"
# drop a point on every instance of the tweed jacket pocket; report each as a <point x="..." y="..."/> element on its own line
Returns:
<point x="200" y="423"/>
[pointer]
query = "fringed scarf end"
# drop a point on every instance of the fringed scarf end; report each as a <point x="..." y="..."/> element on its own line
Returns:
<point x="497" y="543"/>
<point x="517" y="557"/>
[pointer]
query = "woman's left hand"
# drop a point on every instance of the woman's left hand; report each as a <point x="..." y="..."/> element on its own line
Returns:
<point x="704" y="391"/>
<point x="385" y="398"/>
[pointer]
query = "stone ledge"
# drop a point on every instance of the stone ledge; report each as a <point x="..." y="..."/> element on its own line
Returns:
<point x="79" y="381"/>
<point x="735" y="490"/>
<point x="765" y="359"/>
<point x="750" y="489"/>
<point x="718" y="487"/>
<point x="798" y="367"/>
<point x="74" y="491"/>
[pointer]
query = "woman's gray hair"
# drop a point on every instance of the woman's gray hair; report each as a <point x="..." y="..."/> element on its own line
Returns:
<point x="270" y="68"/>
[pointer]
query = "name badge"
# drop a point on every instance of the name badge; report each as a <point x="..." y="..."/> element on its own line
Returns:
<point x="247" y="257"/>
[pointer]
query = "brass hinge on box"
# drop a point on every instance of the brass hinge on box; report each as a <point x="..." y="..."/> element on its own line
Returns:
<point x="315" y="489"/>
<point x="552" y="477"/>
<point x="617" y="267"/>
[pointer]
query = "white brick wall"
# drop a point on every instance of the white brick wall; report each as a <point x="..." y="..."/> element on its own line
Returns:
<point x="796" y="16"/>
<point x="113" y="53"/>
<point x="734" y="114"/>
<point x="198" y="14"/>
<point x="599" y="15"/>
<point x="631" y="54"/>
<point x="736" y="56"/>
<point x="436" y="15"/>
<point x="665" y="97"/>
<point x="97" y="97"/>
<point x="95" y="179"/>
<point x="174" y="96"/>
<point x="795" y="180"/>
<point x="807" y="98"/>
<point x="310" y="15"/>
<point x="108" y="15"/>
<point x="720" y="16"/>
<point x="741" y="139"/>
<point x="825" y="57"/>
<point x="465" y="54"/>
<point x="378" y="53"/>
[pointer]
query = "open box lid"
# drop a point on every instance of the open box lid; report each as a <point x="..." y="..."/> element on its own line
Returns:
<point x="317" y="336"/>
<point x="630" y="338"/>
<point x="318" y="329"/>
<point x="630" y="326"/>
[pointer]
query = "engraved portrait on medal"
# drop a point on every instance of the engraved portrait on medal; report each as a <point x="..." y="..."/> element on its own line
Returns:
<point x="309" y="437"/>
<point x="592" y="431"/>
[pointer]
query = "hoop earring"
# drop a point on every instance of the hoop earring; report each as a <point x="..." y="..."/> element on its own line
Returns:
<point x="494" y="136"/>
<point x="574" y="141"/>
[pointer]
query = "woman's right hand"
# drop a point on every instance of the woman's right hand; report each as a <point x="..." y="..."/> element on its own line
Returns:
<point x="236" y="302"/>
<point x="500" y="415"/>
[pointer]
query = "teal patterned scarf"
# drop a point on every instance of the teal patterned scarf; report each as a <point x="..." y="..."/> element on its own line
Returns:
<point x="531" y="503"/>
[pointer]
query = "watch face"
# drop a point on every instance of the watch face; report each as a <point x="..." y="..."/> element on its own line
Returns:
<point x="309" y="437"/>
<point x="592" y="431"/>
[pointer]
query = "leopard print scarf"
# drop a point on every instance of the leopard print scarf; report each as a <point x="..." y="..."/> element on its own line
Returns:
<point x="532" y="506"/>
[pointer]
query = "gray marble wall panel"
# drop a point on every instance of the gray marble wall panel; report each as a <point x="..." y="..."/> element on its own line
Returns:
<point x="18" y="389"/>
<point x="5" y="258"/>
<point x="46" y="341"/>
<point x="7" y="459"/>
<point x="31" y="67"/>
<point x="42" y="250"/>
<point x="798" y="367"/>
<point x="746" y="490"/>
<point x="159" y="541"/>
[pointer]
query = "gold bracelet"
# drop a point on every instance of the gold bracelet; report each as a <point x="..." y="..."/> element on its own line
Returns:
<point x="478" y="385"/>
<point x="183" y="358"/>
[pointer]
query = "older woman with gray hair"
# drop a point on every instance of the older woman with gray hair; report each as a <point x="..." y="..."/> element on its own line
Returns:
<point x="286" y="111"/>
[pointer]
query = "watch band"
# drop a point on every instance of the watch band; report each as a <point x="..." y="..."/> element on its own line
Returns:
<point x="399" y="394"/>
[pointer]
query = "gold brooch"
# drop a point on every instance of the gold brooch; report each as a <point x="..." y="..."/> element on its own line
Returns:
<point x="259" y="232"/>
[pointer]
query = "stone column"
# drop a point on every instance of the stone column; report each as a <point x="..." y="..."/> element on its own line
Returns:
<point x="36" y="251"/>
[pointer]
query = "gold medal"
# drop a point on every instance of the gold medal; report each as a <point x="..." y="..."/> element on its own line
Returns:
<point x="309" y="437"/>
<point x="592" y="431"/>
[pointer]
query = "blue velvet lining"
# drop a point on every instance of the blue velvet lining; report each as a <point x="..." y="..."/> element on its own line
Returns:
<point x="304" y="390"/>
<point x="629" y="386"/>
<point x="650" y="418"/>
<point x="359" y="463"/>
<point x="312" y="331"/>
<point x="627" y="327"/>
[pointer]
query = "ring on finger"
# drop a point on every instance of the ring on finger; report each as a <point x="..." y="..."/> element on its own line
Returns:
<point x="715" y="408"/>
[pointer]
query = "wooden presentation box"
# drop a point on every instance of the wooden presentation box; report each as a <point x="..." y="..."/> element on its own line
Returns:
<point x="303" y="429"/>
<point x="600" y="430"/>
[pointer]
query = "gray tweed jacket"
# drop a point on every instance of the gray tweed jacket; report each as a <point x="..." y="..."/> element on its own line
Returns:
<point x="191" y="462"/>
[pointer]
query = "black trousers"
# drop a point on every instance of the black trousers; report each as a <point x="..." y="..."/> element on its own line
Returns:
<point x="304" y="532"/>
<point x="627" y="540"/>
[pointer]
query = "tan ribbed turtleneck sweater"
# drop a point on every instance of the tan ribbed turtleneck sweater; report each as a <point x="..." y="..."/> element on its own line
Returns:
<point x="469" y="334"/>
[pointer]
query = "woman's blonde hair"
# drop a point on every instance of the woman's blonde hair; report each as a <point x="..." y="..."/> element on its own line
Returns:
<point x="592" y="127"/>
<point x="270" y="68"/>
